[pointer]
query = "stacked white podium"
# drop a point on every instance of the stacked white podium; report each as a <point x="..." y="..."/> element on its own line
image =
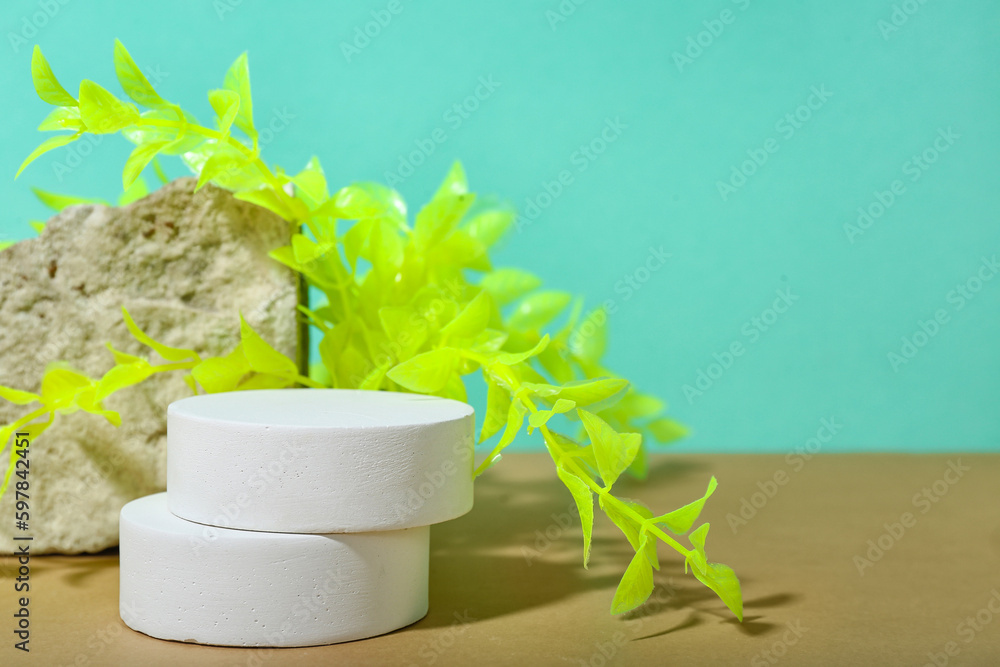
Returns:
<point x="294" y="517"/>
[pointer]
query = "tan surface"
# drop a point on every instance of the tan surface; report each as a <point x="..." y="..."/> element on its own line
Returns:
<point x="795" y="559"/>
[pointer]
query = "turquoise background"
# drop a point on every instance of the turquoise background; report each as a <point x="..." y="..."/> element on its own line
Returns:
<point x="686" y="126"/>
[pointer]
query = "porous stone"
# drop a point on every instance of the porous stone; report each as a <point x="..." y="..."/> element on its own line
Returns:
<point x="184" y="264"/>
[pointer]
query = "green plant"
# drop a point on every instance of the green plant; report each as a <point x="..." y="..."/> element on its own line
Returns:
<point x="407" y="308"/>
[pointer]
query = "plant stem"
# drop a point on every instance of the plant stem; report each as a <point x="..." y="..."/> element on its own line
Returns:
<point x="571" y="464"/>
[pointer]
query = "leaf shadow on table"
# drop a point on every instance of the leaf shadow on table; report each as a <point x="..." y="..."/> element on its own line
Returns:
<point x="74" y="570"/>
<point x="521" y="548"/>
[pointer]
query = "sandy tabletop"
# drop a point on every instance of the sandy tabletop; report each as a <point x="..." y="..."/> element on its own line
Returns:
<point x="508" y="586"/>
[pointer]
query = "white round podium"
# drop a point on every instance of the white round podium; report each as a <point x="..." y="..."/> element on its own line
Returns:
<point x="319" y="460"/>
<point x="294" y="517"/>
<point x="248" y="588"/>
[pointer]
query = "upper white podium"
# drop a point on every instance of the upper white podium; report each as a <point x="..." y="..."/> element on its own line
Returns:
<point x="319" y="460"/>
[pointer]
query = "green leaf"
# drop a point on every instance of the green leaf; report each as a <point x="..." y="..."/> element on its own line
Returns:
<point x="638" y="405"/>
<point x="266" y="198"/>
<point x="584" y="499"/>
<point x="62" y="118"/>
<point x="460" y="250"/>
<point x="454" y="183"/>
<point x="6" y="244"/>
<point x="134" y="192"/>
<point x="179" y="137"/>
<point x="123" y="376"/>
<point x="721" y="579"/>
<point x="227" y="105"/>
<point x="320" y="373"/>
<point x="385" y="249"/>
<point x="366" y="200"/>
<point x="680" y="520"/>
<point x="428" y="372"/>
<point x="438" y="218"/>
<point x="102" y="112"/>
<point x="585" y="393"/>
<point x="238" y="80"/>
<point x="542" y="417"/>
<point x="472" y="320"/>
<point x="46" y="84"/>
<point x="613" y="451"/>
<point x="123" y="358"/>
<point x="589" y="339"/>
<point x="159" y="172"/>
<point x="667" y="430"/>
<point x="536" y="310"/>
<point x="629" y="526"/>
<point x="647" y="546"/>
<point x="488" y="227"/>
<point x="58" y="202"/>
<point x="497" y="408"/>
<point x="311" y="181"/>
<point x="512" y="358"/>
<point x="60" y="386"/>
<point x="137" y="161"/>
<point x="37" y="225"/>
<point x="262" y="357"/>
<point x="697" y="558"/>
<point x="46" y="146"/>
<point x="165" y="351"/>
<point x="133" y="81"/>
<point x="508" y="284"/>
<point x="636" y="585"/>
<point x="454" y="389"/>
<point x="265" y="381"/>
<point x="489" y="341"/>
<point x="218" y="164"/>
<point x="17" y="397"/>
<point x="406" y="330"/>
<point x="220" y="374"/>
<point x="373" y="380"/>
<point x="515" y="419"/>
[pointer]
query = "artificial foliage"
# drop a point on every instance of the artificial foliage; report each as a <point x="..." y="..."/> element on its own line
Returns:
<point x="409" y="306"/>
